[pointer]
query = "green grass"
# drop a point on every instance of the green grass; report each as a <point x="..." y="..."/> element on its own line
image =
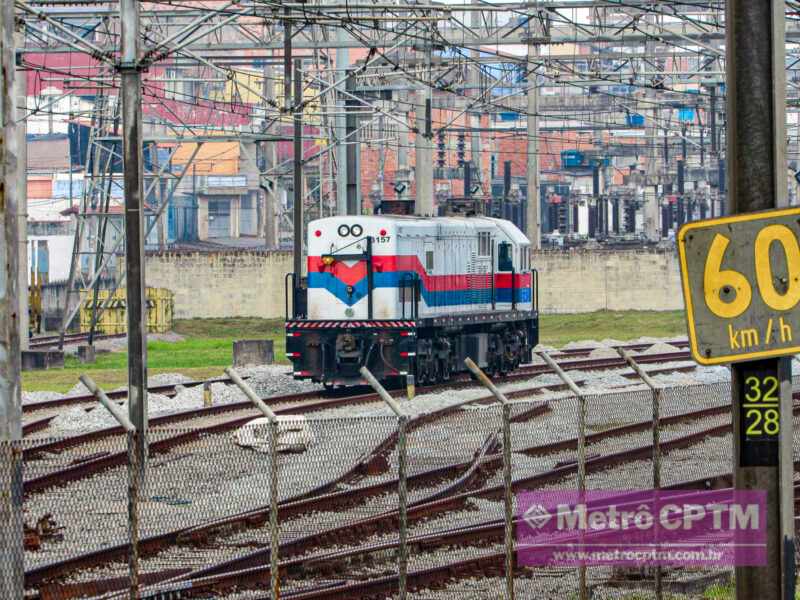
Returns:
<point x="208" y="346"/>
<point x="557" y="330"/>
<point x="720" y="592"/>
<point x="206" y="351"/>
<point x="728" y="592"/>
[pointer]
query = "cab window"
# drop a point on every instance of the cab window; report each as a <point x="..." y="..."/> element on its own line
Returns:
<point x="504" y="257"/>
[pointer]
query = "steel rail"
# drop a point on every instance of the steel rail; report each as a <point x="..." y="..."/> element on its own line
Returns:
<point x="101" y="463"/>
<point x="235" y="568"/>
<point x="573" y="360"/>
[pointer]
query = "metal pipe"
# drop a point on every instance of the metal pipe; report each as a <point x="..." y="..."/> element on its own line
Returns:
<point x="402" y="492"/>
<point x="657" y="393"/>
<point x="134" y="476"/>
<point x="508" y="499"/>
<point x="251" y="395"/>
<point x="109" y="404"/>
<point x="274" y="540"/>
<point x="381" y="391"/>
<point x="582" y="590"/>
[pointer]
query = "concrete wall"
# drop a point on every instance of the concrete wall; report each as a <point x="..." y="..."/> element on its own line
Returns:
<point x="608" y="280"/>
<point x="251" y="283"/>
<point x="222" y="284"/>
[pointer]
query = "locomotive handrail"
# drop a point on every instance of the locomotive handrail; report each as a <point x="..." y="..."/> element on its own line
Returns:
<point x="408" y="277"/>
<point x="370" y="283"/>
<point x="333" y="252"/>
<point x="286" y="294"/>
<point x="535" y="289"/>
<point x="415" y="298"/>
<point x="513" y="289"/>
<point x="491" y="254"/>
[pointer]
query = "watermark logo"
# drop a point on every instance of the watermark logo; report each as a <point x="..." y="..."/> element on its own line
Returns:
<point x="537" y="516"/>
<point x="642" y="527"/>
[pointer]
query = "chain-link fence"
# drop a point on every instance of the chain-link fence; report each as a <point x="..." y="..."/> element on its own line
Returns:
<point x="200" y="519"/>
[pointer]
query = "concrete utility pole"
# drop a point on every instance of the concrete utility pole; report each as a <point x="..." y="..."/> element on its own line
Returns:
<point x="352" y="153"/>
<point x="652" y="205"/>
<point x="270" y="154"/>
<point x="21" y="85"/>
<point x="340" y="121"/>
<point x="756" y="90"/>
<point x="533" y="218"/>
<point x="297" y="170"/>
<point x="402" y="173"/>
<point x="12" y="571"/>
<point x="131" y="92"/>
<point x="474" y="118"/>
<point x="424" y="148"/>
<point x="158" y="195"/>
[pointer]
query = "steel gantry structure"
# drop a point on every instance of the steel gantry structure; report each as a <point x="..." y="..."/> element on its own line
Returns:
<point x="613" y="79"/>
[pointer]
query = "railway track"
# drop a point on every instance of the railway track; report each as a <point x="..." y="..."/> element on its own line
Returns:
<point x="571" y="359"/>
<point x="201" y="535"/>
<point x="457" y="382"/>
<point x="37" y="576"/>
<point x="303" y="403"/>
<point x="49" y="341"/>
<point x="251" y="569"/>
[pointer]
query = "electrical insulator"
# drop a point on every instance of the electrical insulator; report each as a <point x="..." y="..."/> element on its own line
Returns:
<point x="629" y="217"/>
<point x="440" y="149"/>
<point x="460" y="149"/>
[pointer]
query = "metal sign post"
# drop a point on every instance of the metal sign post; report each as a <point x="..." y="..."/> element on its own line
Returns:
<point x="131" y="94"/>
<point x="741" y="284"/>
<point x="12" y="570"/>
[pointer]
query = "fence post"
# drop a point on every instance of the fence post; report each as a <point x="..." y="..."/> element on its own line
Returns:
<point x="133" y="479"/>
<point x="657" y="392"/>
<point x="508" y="498"/>
<point x="402" y="493"/>
<point x="582" y="591"/>
<point x="274" y="540"/>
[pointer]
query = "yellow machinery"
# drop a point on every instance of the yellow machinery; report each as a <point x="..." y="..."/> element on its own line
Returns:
<point x="160" y="305"/>
<point x="39" y="275"/>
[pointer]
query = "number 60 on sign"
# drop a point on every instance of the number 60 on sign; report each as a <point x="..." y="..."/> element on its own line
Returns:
<point x="741" y="286"/>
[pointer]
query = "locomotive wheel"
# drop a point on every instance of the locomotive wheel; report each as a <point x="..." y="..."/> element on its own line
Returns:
<point x="444" y="370"/>
<point x="436" y="375"/>
<point x="422" y="373"/>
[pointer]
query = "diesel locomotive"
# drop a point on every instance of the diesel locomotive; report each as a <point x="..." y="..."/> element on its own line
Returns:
<point x="409" y="295"/>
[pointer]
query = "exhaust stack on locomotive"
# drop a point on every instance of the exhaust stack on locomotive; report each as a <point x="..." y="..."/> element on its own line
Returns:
<point x="411" y="295"/>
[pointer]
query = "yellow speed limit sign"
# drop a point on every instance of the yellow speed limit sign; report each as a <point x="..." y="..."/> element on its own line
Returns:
<point x="741" y="286"/>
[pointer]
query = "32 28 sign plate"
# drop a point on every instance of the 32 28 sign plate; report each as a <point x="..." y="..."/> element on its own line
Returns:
<point x="759" y="413"/>
<point x="741" y="286"/>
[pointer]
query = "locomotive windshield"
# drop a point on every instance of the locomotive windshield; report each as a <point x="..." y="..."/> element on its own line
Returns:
<point x="504" y="262"/>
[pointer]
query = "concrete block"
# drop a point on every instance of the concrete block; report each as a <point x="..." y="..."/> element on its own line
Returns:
<point x="253" y="353"/>
<point x="38" y="360"/>
<point x="87" y="354"/>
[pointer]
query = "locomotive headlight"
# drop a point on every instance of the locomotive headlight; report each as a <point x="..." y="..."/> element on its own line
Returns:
<point x="328" y="260"/>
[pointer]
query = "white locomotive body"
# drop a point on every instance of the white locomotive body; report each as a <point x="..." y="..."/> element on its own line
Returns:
<point x="413" y="295"/>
